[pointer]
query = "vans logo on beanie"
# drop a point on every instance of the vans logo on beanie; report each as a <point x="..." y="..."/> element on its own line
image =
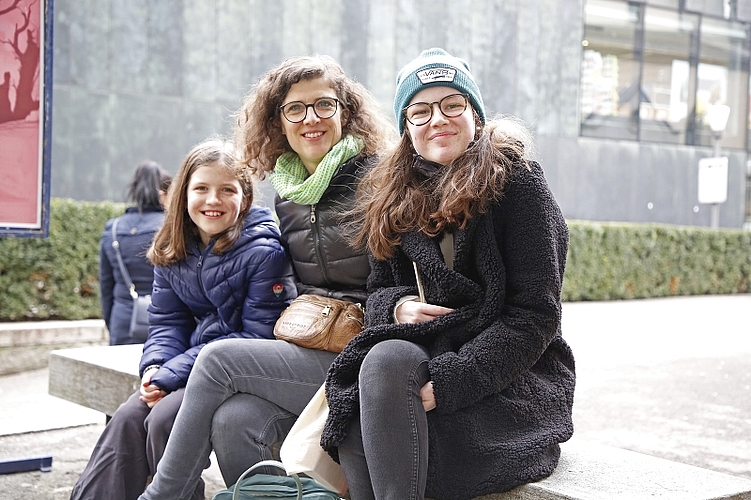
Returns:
<point x="431" y="75"/>
<point x="435" y="68"/>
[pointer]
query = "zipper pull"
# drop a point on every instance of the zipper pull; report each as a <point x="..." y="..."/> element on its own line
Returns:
<point x="312" y="214"/>
<point x="326" y="311"/>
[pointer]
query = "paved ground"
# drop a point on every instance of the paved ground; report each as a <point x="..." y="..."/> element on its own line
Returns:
<point x="35" y="424"/>
<point x="666" y="377"/>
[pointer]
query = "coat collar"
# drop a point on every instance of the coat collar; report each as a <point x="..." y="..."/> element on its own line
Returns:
<point x="444" y="285"/>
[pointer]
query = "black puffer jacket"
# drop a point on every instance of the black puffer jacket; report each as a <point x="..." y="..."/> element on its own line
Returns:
<point x="503" y="375"/>
<point x="314" y="237"/>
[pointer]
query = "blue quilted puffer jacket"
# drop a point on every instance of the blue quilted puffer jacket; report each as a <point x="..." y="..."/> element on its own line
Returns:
<point x="207" y="297"/>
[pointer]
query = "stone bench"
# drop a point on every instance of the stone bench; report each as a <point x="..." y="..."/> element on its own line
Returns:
<point x="592" y="471"/>
<point x="98" y="377"/>
<point x="102" y="377"/>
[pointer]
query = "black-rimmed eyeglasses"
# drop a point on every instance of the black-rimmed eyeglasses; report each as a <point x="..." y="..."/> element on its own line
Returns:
<point x="297" y="111"/>
<point x="421" y="113"/>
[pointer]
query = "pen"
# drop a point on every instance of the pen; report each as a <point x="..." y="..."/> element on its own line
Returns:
<point x="420" y="290"/>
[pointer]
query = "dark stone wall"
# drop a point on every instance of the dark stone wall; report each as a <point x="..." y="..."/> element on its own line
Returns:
<point x="607" y="180"/>
<point x="150" y="78"/>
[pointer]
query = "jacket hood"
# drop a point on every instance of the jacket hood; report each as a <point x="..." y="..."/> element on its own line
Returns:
<point x="259" y="223"/>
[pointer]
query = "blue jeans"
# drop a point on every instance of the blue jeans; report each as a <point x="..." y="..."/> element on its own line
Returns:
<point x="242" y="397"/>
<point x="385" y="454"/>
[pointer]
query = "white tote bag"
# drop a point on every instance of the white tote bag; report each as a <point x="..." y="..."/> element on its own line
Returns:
<point x="301" y="451"/>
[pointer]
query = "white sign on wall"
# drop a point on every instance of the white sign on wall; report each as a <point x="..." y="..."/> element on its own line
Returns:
<point x="713" y="180"/>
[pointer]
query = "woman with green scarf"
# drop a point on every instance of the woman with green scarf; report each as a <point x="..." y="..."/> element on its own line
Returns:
<point x="315" y="132"/>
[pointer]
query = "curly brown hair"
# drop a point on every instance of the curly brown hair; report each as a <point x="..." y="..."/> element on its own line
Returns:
<point x="258" y="131"/>
<point x="394" y="199"/>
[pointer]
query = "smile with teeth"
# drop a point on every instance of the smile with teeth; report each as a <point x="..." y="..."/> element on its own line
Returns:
<point x="312" y="135"/>
<point x="210" y="213"/>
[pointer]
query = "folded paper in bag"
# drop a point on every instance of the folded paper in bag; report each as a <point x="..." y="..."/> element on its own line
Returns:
<point x="301" y="451"/>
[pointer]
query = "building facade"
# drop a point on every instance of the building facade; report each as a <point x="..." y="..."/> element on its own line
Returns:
<point x="617" y="92"/>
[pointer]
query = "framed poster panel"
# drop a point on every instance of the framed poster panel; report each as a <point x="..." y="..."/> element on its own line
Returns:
<point x="25" y="116"/>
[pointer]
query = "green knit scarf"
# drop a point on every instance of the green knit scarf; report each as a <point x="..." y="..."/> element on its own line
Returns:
<point x="292" y="181"/>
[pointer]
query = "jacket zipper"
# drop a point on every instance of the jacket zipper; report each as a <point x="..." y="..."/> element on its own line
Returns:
<point x="317" y="244"/>
<point x="199" y="265"/>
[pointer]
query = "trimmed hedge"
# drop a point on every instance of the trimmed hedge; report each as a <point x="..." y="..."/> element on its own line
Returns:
<point x="57" y="277"/>
<point x="609" y="261"/>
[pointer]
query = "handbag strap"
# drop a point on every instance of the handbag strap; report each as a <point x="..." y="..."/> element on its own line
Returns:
<point x="264" y="463"/>
<point x="123" y="269"/>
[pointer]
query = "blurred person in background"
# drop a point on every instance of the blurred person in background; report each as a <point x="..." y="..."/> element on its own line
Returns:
<point x="135" y="231"/>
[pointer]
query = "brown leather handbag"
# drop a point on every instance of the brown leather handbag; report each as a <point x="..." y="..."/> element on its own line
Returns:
<point x="318" y="322"/>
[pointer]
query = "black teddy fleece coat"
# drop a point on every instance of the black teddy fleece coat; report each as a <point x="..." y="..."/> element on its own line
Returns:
<point x="503" y="376"/>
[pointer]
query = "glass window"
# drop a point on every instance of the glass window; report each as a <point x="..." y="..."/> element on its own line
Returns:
<point x="669" y="4"/>
<point x="652" y="71"/>
<point x="718" y="8"/>
<point x="665" y="95"/>
<point x="609" y="69"/>
<point x="722" y="78"/>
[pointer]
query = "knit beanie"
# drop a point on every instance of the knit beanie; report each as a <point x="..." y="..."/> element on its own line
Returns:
<point x="433" y="68"/>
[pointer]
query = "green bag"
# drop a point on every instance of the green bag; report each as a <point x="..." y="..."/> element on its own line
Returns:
<point x="271" y="487"/>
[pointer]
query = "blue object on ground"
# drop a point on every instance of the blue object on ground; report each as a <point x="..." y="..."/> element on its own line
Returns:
<point x="12" y="465"/>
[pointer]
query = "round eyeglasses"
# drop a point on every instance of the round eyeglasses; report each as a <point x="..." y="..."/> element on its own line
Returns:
<point x="421" y="113"/>
<point x="297" y="111"/>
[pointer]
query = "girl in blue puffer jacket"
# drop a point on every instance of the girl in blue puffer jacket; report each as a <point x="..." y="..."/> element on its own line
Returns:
<point x="220" y="272"/>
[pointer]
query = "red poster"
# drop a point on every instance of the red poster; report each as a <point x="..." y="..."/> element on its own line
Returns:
<point x="22" y="109"/>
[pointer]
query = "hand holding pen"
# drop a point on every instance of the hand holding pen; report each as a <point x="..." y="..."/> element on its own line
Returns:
<point x="417" y="311"/>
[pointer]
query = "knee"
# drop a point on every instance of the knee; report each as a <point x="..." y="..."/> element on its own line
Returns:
<point x="394" y="361"/>
<point x="158" y="425"/>
<point x="160" y="420"/>
<point x="247" y="422"/>
<point x="214" y="355"/>
<point x="230" y="418"/>
<point x="208" y="355"/>
<point x="130" y="414"/>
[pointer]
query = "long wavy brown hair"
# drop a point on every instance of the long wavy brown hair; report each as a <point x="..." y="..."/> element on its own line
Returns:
<point x="394" y="198"/>
<point x="258" y="131"/>
<point x="171" y="241"/>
